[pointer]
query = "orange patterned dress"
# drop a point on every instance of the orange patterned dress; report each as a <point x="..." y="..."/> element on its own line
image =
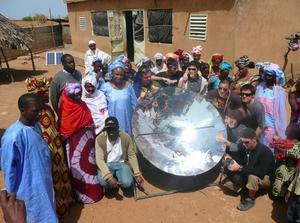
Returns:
<point x="60" y="171"/>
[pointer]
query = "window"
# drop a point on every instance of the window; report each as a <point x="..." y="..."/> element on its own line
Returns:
<point x="100" y="23"/>
<point x="198" y="26"/>
<point x="82" y="22"/>
<point x="160" y="25"/>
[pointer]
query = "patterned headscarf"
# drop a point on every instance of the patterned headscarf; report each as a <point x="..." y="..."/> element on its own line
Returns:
<point x="95" y="59"/>
<point x="122" y="58"/>
<point x="260" y="65"/>
<point x="143" y="61"/>
<point x="225" y="66"/>
<point x="181" y="54"/>
<point x="39" y="85"/>
<point x="197" y="50"/>
<point x="158" y="56"/>
<point x="274" y="70"/>
<point x="243" y="61"/>
<point x="72" y="88"/>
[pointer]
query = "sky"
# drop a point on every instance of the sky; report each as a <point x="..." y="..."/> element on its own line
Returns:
<point x="17" y="9"/>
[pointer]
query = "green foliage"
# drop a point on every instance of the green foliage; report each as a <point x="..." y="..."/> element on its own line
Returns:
<point x="36" y="17"/>
<point x="39" y="17"/>
<point x="27" y="18"/>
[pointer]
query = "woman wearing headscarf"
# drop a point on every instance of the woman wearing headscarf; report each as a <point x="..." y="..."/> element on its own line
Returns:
<point x="128" y="70"/>
<point x="243" y="76"/>
<point x="184" y="59"/>
<point x="197" y="53"/>
<point x="60" y="171"/>
<point x="121" y="99"/>
<point x="215" y="63"/>
<point x="273" y="97"/>
<point x="97" y="71"/>
<point x="142" y="83"/>
<point x="159" y="65"/>
<point x="214" y="80"/>
<point x="96" y="102"/>
<point x="77" y="129"/>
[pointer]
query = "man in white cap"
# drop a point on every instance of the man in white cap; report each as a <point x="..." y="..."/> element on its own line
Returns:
<point x="93" y="52"/>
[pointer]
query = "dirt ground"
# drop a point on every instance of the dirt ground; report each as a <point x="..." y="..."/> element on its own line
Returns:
<point x="209" y="204"/>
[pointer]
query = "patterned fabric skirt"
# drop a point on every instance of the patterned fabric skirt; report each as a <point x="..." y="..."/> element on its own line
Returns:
<point x="60" y="171"/>
<point x="82" y="164"/>
<point x="284" y="175"/>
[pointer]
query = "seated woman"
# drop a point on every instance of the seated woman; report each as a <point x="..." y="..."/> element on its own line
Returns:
<point x="121" y="99"/>
<point x="192" y="81"/>
<point x="60" y="171"/>
<point x="287" y="155"/>
<point x="96" y="102"/>
<point x="77" y="128"/>
<point x="142" y="83"/>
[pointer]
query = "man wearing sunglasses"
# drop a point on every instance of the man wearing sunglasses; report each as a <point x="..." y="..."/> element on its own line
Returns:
<point x="254" y="110"/>
<point x="223" y="98"/>
<point x="250" y="167"/>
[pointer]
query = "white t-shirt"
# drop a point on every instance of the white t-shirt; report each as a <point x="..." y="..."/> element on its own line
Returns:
<point x="114" y="151"/>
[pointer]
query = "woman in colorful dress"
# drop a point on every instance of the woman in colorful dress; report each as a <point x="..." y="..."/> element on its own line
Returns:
<point x="273" y="97"/>
<point x="60" y="171"/>
<point x="77" y="129"/>
<point x="121" y="99"/>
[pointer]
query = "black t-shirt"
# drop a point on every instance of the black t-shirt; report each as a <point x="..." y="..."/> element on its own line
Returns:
<point x="174" y="77"/>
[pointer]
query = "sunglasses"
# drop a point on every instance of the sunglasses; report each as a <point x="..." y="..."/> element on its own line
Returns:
<point x="192" y="69"/>
<point x="245" y="94"/>
<point x="224" y="89"/>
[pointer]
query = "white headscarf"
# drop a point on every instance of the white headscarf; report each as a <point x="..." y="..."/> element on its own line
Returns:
<point x="96" y="102"/>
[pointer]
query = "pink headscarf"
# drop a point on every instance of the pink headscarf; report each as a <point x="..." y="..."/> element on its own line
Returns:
<point x="197" y="50"/>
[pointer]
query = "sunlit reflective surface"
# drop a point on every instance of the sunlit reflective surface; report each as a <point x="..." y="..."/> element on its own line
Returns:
<point x="175" y="130"/>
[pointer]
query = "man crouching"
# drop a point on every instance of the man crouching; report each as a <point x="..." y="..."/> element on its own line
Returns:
<point x="114" y="151"/>
<point x="250" y="166"/>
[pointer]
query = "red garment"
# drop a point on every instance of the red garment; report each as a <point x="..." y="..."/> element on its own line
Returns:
<point x="81" y="156"/>
<point x="281" y="145"/>
<point x="73" y="116"/>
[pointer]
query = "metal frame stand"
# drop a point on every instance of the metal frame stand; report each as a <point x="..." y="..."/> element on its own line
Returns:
<point x="148" y="195"/>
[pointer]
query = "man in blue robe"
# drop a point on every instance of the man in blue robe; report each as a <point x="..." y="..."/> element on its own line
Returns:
<point x="26" y="162"/>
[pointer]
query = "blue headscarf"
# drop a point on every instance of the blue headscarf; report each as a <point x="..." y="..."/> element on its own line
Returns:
<point x="114" y="65"/>
<point x="275" y="72"/>
<point x="225" y="66"/>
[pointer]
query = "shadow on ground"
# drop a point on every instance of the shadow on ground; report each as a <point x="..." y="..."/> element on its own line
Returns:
<point x="73" y="214"/>
<point x="19" y="75"/>
<point x="165" y="181"/>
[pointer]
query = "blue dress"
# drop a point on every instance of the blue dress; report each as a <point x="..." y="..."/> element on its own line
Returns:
<point x="26" y="166"/>
<point x="121" y="104"/>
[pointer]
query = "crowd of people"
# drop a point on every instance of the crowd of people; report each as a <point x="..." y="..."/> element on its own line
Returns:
<point x="81" y="147"/>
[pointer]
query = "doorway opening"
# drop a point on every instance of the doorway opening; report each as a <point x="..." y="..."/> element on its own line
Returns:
<point x="129" y="35"/>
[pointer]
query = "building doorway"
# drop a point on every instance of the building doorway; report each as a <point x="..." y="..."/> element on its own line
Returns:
<point x="134" y="35"/>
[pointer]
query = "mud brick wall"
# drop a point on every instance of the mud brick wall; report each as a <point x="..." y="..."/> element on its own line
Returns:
<point x="42" y="40"/>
